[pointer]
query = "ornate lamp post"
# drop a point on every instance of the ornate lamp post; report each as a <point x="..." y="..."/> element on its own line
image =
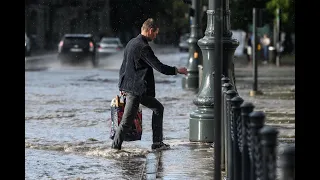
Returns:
<point x="201" y="122"/>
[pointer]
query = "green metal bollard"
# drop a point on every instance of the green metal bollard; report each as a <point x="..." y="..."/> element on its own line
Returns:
<point x="191" y="81"/>
<point x="201" y="120"/>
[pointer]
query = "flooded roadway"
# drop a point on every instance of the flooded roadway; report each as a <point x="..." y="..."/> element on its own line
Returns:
<point x="67" y="118"/>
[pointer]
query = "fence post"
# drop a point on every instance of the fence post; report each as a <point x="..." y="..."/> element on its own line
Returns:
<point x="287" y="162"/>
<point x="225" y="87"/>
<point x="224" y="80"/>
<point x="256" y="123"/>
<point x="246" y="109"/>
<point x="269" y="142"/>
<point x="229" y="95"/>
<point x="236" y="134"/>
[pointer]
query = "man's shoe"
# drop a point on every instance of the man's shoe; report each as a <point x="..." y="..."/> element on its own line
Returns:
<point x="160" y="146"/>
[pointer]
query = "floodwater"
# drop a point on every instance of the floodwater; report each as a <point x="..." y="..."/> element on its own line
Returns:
<point x="67" y="119"/>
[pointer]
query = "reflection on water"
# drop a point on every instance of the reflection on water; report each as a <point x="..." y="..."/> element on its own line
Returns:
<point x="67" y="123"/>
<point x="194" y="161"/>
<point x="57" y="165"/>
<point x="88" y="148"/>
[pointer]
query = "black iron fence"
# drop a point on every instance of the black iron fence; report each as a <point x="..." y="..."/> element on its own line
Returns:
<point x="250" y="148"/>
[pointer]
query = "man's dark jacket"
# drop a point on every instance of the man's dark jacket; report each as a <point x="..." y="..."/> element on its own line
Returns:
<point x="136" y="72"/>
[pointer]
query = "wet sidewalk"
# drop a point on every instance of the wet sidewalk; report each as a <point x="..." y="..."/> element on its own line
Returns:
<point x="185" y="160"/>
<point x="191" y="160"/>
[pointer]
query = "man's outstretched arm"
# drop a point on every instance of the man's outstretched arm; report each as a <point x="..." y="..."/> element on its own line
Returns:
<point x="152" y="60"/>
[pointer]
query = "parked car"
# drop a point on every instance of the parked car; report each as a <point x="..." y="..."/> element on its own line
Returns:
<point x="27" y="45"/>
<point x="78" y="47"/>
<point x="183" y="42"/>
<point x="110" y="45"/>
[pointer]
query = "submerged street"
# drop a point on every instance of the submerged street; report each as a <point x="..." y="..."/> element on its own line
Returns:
<point x="67" y="117"/>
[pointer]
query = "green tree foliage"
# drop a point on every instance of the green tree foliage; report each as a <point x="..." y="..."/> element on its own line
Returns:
<point x="241" y="13"/>
<point x="126" y="14"/>
<point x="180" y="16"/>
<point x="287" y="15"/>
<point x="173" y="14"/>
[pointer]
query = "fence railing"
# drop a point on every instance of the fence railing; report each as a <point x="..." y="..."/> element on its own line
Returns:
<point x="249" y="147"/>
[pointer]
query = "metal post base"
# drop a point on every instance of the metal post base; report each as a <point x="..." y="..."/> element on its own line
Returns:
<point x="190" y="82"/>
<point x="201" y="125"/>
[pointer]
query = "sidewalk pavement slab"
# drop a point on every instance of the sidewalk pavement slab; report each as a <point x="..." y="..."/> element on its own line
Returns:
<point x="190" y="160"/>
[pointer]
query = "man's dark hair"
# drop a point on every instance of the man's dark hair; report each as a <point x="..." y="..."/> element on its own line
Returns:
<point x="148" y="24"/>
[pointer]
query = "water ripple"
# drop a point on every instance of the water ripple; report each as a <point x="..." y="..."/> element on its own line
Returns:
<point x="89" y="148"/>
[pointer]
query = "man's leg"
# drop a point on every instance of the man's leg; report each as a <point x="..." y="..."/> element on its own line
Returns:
<point x="130" y="111"/>
<point x="157" y="117"/>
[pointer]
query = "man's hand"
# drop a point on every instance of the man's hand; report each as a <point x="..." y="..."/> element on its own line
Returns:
<point x="182" y="70"/>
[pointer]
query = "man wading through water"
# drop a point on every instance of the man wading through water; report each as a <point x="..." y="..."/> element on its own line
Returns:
<point x="136" y="81"/>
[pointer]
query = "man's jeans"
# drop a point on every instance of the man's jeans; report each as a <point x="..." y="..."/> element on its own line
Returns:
<point x="130" y="111"/>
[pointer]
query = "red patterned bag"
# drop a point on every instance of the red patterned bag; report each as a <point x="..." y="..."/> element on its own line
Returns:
<point x="117" y="109"/>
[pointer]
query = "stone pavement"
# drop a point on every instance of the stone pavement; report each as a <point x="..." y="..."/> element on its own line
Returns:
<point x="190" y="160"/>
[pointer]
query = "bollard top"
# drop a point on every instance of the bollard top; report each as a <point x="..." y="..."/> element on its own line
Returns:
<point x="236" y="102"/>
<point x="268" y="130"/>
<point x="231" y="93"/>
<point x="246" y="108"/>
<point x="225" y="80"/>
<point x="268" y="136"/>
<point x="227" y="86"/>
<point x="257" y="119"/>
<point x="247" y="105"/>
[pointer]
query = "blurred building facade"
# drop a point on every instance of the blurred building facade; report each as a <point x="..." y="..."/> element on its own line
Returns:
<point x="46" y="21"/>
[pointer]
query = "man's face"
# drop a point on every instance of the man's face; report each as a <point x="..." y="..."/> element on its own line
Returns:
<point x="152" y="33"/>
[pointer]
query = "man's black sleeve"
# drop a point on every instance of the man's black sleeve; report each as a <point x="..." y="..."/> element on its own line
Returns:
<point x="148" y="56"/>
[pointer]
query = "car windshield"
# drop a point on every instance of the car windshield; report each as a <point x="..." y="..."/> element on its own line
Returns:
<point x="110" y="41"/>
<point x="76" y="40"/>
